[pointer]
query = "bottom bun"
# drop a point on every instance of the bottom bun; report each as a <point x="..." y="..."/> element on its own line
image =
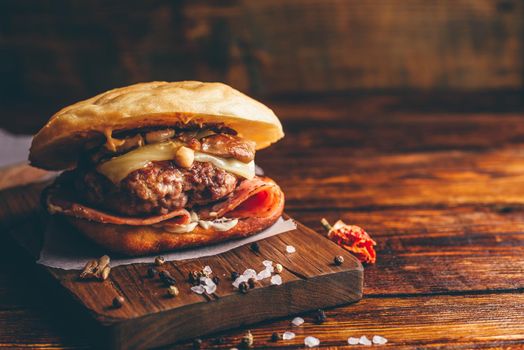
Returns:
<point x="144" y="240"/>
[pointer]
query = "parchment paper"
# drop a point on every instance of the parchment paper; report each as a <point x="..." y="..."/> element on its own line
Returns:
<point x="66" y="249"/>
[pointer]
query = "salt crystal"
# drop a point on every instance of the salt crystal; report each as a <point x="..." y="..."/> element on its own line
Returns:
<point x="239" y="280"/>
<point x="311" y="341"/>
<point x="210" y="289"/>
<point x="198" y="289"/>
<point x="288" y="335"/>
<point x="364" y="340"/>
<point x="290" y="249"/>
<point x="207" y="270"/>
<point x="377" y="339"/>
<point x="270" y="269"/>
<point x="297" y="321"/>
<point x="209" y="282"/>
<point x="276" y="280"/>
<point x="267" y="263"/>
<point x="353" y="341"/>
<point x="263" y="274"/>
<point x="250" y="273"/>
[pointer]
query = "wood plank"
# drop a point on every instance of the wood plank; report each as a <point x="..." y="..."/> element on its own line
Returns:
<point x="271" y="46"/>
<point x="460" y="322"/>
<point x="464" y="321"/>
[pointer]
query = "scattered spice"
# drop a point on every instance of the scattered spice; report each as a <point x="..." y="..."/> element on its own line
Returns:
<point x="160" y="260"/>
<point x="206" y="271"/>
<point x="166" y="278"/>
<point x="251" y="283"/>
<point x="118" y="301"/>
<point x="320" y="316"/>
<point x="247" y="340"/>
<point x="311" y="342"/>
<point x="352" y="341"/>
<point x="364" y="340"/>
<point x="290" y="249"/>
<point x="255" y="247"/>
<point x="243" y="287"/>
<point x="338" y="260"/>
<point x="353" y="239"/>
<point x="288" y="335"/>
<point x="151" y="272"/>
<point x="279" y="268"/>
<point x="297" y="321"/>
<point x="99" y="269"/>
<point x="216" y="280"/>
<point x="276" y="280"/>
<point x="276" y="337"/>
<point x="197" y="343"/>
<point x="377" y="339"/>
<point x="193" y="278"/>
<point x="234" y="275"/>
<point x="173" y="291"/>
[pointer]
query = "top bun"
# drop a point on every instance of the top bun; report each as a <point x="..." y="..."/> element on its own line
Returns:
<point x="57" y="145"/>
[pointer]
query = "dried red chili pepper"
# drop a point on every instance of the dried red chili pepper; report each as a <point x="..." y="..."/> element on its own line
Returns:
<point x="352" y="238"/>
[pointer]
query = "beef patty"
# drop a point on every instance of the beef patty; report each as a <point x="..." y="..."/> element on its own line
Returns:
<point x="157" y="188"/>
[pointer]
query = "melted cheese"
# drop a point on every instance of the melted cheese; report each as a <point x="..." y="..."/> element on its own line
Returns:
<point x="117" y="168"/>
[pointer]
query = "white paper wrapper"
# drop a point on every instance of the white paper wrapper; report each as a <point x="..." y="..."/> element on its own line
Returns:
<point x="65" y="249"/>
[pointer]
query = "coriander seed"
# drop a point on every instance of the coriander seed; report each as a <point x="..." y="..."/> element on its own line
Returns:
<point x="172" y="291"/>
<point x="118" y="301"/>
<point x="243" y="287"/>
<point x="251" y="283"/>
<point x="151" y="272"/>
<point x="279" y="268"/>
<point x="234" y="275"/>
<point x="160" y="260"/>
<point x="338" y="260"/>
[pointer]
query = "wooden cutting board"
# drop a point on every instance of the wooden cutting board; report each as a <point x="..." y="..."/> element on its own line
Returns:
<point x="150" y="318"/>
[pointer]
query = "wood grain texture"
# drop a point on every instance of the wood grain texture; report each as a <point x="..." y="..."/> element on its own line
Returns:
<point x="436" y="181"/>
<point x="267" y="47"/>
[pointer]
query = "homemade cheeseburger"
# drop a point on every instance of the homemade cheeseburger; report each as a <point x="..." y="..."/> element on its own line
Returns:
<point x="159" y="166"/>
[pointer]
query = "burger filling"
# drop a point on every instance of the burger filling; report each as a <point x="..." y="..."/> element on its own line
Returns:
<point x="157" y="171"/>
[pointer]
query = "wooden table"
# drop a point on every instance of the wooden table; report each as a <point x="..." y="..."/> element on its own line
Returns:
<point x="438" y="181"/>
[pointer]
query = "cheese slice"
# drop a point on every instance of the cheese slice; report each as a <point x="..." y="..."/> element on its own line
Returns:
<point x="117" y="168"/>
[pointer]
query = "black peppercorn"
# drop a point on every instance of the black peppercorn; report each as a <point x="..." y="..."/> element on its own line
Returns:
<point x="243" y="287"/>
<point x="151" y="272"/>
<point x="234" y="275"/>
<point x="197" y="343"/>
<point x="166" y="278"/>
<point x="255" y="247"/>
<point x="216" y="280"/>
<point x="276" y="337"/>
<point x="193" y="278"/>
<point x="251" y="283"/>
<point x="320" y="316"/>
<point x="118" y="302"/>
<point x="338" y="260"/>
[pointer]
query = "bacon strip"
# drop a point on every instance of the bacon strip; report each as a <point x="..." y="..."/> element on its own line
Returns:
<point x="250" y="197"/>
<point x="256" y="197"/>
<point x="61" y="205"/>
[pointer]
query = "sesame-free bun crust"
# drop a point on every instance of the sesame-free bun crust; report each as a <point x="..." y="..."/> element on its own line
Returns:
<point x="57" y="145"/>
<point x="143" y="240"/>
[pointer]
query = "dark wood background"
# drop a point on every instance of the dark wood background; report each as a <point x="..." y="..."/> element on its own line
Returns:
<point x="55" y="52"/>
<point x="403" y="116"/>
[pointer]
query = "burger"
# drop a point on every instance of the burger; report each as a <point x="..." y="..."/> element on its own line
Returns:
<point x="159" y="166"/>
